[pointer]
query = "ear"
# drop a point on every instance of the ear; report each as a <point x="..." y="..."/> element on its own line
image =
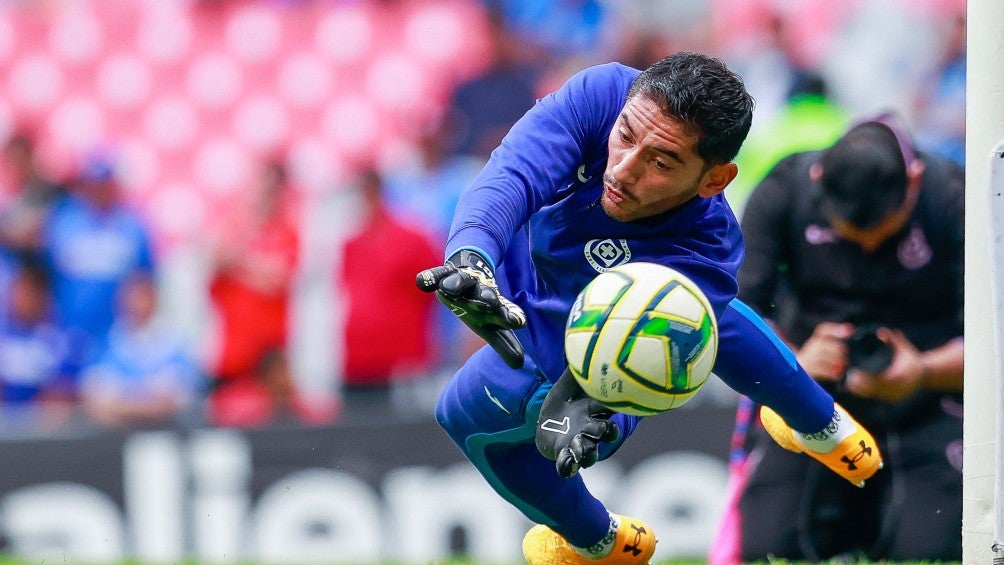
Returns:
<point x="717" y="178"/>
<point x="816" y="172"/>
<point x="915" y="170"/>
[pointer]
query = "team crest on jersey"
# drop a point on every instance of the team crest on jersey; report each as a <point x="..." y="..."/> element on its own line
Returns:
<point x="914" y="252"/>
<point x="604" y="254"/>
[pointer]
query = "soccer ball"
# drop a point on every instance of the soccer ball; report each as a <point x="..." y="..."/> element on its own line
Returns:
<point x="641" y="338"/>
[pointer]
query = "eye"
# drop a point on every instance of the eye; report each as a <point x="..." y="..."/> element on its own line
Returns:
<point x="661" y="165"/>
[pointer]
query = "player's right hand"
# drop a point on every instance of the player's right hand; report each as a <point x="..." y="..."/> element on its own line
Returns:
<point x="466" y="285"/>
<point x="571" y="426"/>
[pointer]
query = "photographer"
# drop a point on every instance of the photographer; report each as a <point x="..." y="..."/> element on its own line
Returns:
<point x="855" y="254"/>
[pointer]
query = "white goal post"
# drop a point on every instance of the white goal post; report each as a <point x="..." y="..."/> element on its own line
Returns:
<point x="982" y="525"/>
<point x="996" y="256"/>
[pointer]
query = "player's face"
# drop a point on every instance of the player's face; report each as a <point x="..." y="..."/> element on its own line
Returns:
<point x="653" y="165"/>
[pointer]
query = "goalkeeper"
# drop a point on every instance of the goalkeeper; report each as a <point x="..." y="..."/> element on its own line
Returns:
<point x="616" y="165"/>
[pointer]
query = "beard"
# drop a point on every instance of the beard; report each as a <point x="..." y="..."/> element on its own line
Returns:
<point x="624" y="208"/>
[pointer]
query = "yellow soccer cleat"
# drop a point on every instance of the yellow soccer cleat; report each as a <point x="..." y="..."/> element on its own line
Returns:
<point x="846" y="447"/>
<point x="634" y="545"/>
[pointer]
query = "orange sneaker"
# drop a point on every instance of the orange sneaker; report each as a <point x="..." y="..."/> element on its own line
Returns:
<point x="845" y="446"/>
<point x="634" y="545"/>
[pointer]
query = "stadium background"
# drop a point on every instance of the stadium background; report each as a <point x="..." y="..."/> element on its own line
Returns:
<point x="190" y="95"/>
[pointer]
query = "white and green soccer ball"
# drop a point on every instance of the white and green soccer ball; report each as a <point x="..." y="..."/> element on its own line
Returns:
<point x="641" y="338"/>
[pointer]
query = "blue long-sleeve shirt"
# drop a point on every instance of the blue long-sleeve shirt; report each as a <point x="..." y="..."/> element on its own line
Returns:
<point x="534" y="210"/>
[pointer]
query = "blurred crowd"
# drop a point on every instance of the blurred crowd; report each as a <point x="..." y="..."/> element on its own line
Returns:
<point x="294" y="300"/>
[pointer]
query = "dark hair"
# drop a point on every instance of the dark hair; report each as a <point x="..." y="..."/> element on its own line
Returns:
<point x="864" y="174"/>
<point x="704" y="94"/>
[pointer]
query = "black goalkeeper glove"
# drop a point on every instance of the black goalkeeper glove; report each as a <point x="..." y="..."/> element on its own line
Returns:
<point x="466" y="285"/>
<point x="572" y="425"/>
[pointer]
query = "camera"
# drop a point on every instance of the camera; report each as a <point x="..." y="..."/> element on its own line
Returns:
<point x="865" y="351"/>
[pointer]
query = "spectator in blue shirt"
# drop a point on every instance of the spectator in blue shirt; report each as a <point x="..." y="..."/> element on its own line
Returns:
<point x="93" y="243"/>
<point x="147" y="375"/>
<point x="34" y="354"/>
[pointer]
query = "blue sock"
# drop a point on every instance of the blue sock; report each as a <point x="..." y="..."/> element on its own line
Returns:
<point x="754" y="361"/>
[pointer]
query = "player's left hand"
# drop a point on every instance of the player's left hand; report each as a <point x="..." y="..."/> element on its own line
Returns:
<point x="572" y="425"/>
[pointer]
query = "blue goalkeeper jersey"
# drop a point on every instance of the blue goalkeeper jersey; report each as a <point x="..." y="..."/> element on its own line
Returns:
<point x="534" y="210"/>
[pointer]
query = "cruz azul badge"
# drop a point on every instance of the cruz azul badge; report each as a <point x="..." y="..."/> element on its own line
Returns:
<point x="604" y="254"/>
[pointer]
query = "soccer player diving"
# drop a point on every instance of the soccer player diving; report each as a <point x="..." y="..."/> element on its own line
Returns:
<point x="617" y="165"/>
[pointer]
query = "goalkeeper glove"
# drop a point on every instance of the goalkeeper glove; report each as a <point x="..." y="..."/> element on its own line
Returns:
<point x="466" y="285"/>
<point x="571" y="426"/>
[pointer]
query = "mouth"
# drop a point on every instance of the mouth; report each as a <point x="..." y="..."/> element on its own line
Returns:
<point x="612" y="194"/>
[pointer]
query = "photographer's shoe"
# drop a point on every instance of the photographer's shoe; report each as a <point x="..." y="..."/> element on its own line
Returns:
<point x="634" y="545"/>
<point x="844" y="446"/>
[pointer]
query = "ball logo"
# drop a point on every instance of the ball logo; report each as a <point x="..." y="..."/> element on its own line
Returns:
<point x="604" y="254"/>
<point x="576" y="312"/>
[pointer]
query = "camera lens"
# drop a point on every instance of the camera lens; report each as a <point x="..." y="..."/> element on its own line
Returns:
<point x="867" y="352"/>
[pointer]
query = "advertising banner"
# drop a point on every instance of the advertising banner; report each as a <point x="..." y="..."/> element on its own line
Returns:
<point x="384" y="489"/>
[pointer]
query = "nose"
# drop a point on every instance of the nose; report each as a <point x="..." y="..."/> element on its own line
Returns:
<point x="624" y="166"/>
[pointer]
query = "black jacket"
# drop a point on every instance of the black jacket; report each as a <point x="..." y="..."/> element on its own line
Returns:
<point x="798" y="273"/>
